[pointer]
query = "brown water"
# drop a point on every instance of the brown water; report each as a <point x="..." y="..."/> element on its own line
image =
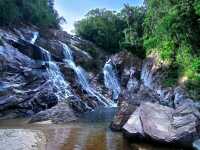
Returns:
<point x="81" y="136"/>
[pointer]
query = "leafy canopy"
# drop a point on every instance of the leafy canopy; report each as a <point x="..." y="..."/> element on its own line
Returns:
<point x="113" y="31"/>
<point x="36" y="12"/>
<point x="172" y="29"/>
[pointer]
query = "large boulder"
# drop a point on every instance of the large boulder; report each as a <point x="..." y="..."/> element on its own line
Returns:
<point x="130" y="101"/>
<point x="122" y="115"/>
<point x="61" y="113"/>
<point x="163" y="124"/>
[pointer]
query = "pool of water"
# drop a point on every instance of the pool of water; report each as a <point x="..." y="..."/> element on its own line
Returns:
<point x="90" y="133"/>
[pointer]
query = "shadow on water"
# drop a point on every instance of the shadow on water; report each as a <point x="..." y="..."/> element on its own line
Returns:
<point x="90" y="133"/>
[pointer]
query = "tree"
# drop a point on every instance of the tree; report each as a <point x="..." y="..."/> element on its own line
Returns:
<point x="37" y="12"/>
<point x="103" y="27"/>
<point x="172" y="29"/>
<point x="133" y="33"/>
<point x="114" y="31"/>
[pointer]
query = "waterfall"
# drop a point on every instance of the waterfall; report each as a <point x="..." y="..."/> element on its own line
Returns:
<point x="83" y="78"/>
<point x="110" y="80"/>
<point x="34" y="38"/>
<point x="55" y="76"/>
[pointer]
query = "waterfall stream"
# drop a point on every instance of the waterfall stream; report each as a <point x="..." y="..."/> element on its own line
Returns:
<point x="55" y="76"/>
<point x="83" y="78"/>
<point x="110" y="80"/>
<point x="35" y="36"/>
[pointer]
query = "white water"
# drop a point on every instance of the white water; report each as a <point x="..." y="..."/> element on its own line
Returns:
<point x="34" y="38"/>
<point x="55" y="77"/>
<point x="110" y="80"/>
<point x="83" y="79"/>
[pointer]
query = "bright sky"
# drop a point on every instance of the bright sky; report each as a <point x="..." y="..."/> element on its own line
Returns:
<point x="74" y="10"/>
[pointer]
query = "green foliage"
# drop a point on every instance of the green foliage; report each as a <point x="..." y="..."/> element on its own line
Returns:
<point x="101" y="27"/>
<point x="167" y="47"/>
<point x="133" y="33"/>
<point x="172" y="28"/>
<point x="36" y="12"/>
<point x="114" y="31"/>
<point x="171" y="76"/>
<point x="9" y="11"/>
<point x="197" y="6"/>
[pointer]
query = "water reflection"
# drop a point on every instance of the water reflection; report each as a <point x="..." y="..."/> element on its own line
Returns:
<point x="85" y="137"/>
<point x="81" y="136"/>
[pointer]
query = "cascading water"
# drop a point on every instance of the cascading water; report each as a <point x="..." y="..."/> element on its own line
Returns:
<point x="34" y="38"/>
<point x="55" y="77"/>
<point x="82" y="77"/>
<point x="110" y="80"/>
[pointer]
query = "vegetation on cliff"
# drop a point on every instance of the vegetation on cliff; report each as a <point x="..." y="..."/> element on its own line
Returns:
<point x="170" y="28"/>
<point x="37" y="12"/>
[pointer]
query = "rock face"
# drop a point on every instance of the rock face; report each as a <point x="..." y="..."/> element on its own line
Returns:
<point x="60" y="113"/>
<point x="163" y="124"/>
<point x="36" y="75"/>
<point x="22" y="139"/>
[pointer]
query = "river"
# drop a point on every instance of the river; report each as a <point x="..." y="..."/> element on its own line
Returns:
<point x="90" y="133"/>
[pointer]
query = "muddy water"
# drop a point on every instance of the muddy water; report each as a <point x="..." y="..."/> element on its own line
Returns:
<point x="92" y="133"/>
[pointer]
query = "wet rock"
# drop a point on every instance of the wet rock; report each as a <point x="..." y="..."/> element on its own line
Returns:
<point x="122" y="115"/>
<point x="152" y="72"/>
<point x="24" y="88"/>
<point x="22" y="139"/>
<point x="180" y="96"/>
<point x="136" y="129"/>
<point x="55" y="47"/>
<point x="130" y="100"/>
<point x="27" y="33"/>
<point x="163" y="124"/>
<point x="61" y="113"/>
<point x="28" y="49"/>
<point x="133" y="85"/>
<point x="143" y="95"/>
<point x="6" y="102"/>
<point x="124" y="62"/>
<point x="83" y="51"/>
<point x="166" y="96"/>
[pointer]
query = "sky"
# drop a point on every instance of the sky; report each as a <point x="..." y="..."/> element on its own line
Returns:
<point x="74" y="10"/>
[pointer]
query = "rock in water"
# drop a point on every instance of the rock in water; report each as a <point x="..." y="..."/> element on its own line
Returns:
<point x="163" y="124"/>
<point x="137" y="130"/>
<point x="22" y="139"/>
<point x="121" y="117"/>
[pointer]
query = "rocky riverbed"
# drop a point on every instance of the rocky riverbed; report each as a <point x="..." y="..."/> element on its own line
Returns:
<point x="53" y="76"/>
